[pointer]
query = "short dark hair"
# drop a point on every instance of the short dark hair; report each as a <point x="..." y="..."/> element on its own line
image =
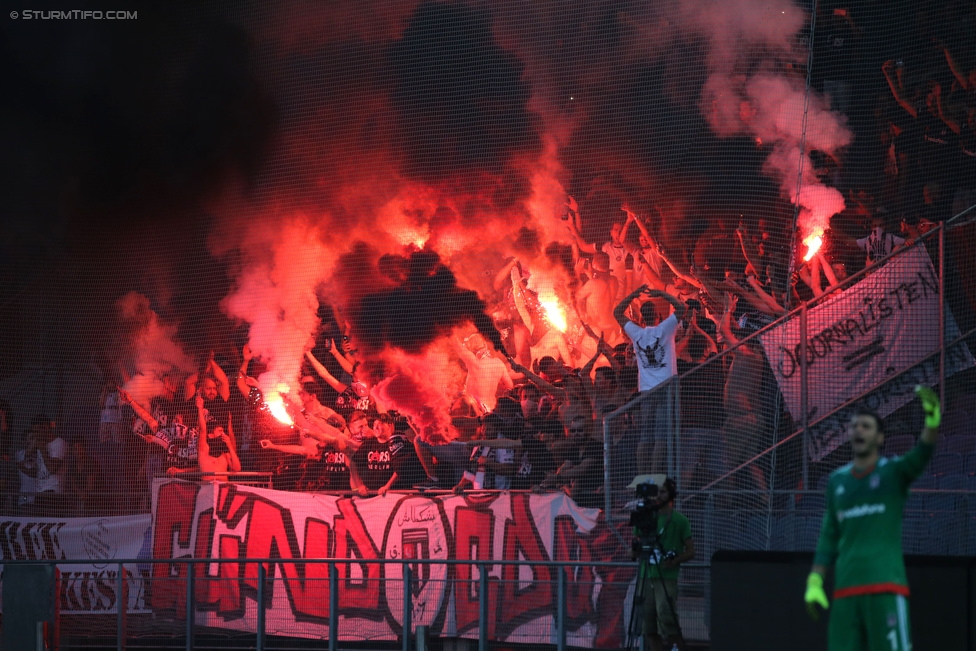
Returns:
<point x="494" y="421"/>
<point x="607" y="372"/>
<point x="864" y="411"/>
<point x="648" y="312"/>
<point x="671" y="487"/>
<point x="386" y="418"/>
<point x="529" y="388"/>
<point x="357" y="415"/>
<point x="508" y="408"/>
<point x="547" y="364"/>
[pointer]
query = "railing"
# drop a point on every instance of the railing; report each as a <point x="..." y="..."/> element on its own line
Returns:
<point x="257" y="637"/>
<point x="929" y="529"/>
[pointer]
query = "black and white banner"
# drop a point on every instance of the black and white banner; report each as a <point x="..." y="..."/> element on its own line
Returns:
<point x="872" y="331"/>
<point x="89" y="586"/>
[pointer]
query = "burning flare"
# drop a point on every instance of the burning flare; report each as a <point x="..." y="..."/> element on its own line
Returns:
<point x="276" y="404"/>
<point x="813" y="242"/>
<point x="553" y="310"/>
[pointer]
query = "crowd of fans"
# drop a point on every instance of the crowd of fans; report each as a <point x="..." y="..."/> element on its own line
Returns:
<point x="637" y="312"/>
<point x="527" y="417"/>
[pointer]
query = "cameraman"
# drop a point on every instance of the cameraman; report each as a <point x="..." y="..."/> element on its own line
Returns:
<point x="666" y="547"/>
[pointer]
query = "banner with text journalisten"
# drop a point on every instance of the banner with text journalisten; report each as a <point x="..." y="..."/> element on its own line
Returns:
<point x="236" y="522"/>
<point x="91" y="585"/>
<point x="857" y="339"/>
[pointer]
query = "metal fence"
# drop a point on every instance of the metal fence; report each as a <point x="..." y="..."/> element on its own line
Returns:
<point x="131" y="623"/>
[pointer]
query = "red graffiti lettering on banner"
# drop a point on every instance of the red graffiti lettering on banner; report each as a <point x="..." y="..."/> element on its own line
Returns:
<point x="580" y="581"/>
<point x="353" y="541"/>
<point x="605" y="546"/>
<point x="309" y="596"/>
<point x="474" y="539"/>
<point x="226" y="589"/>
<point x="172" y="538"/>
<point x="205" y="532"/>
<point x="523" y="542"/>
<point x="270" y="533"/>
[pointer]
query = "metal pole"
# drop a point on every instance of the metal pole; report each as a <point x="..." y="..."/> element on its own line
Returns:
<point x="259" y="643"/>
<point x="561" y="610"/>
<point x="677" y="436"/>
<point x="942" y="319"/>
<point x="482" y="607"/>
<point x="121" y="604"/>
<point x="407" y="606"/>
<point x="804" y="387"/>
<point x="669" y="401"/>
<point x="190" y="615"/>
<point x="606" y="466"/>
<point x="333" y="607"/>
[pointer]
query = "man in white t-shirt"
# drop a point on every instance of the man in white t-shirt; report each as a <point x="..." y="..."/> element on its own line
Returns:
<point x="40" y="465"/>
<point x="656" y="364"/>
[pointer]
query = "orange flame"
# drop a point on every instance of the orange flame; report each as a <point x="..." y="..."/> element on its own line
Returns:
<point x="813" y="243"/>
<point x="554" y="311"/>
<point x="276" y="405"/>
<point x="408" y="234"/>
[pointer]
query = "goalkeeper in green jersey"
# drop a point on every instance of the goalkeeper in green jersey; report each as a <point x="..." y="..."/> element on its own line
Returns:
<point x="861" y="537"/>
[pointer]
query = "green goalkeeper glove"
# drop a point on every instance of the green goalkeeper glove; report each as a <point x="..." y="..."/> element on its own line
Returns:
<point x="815" y="595"/>
<point x="930" y="405"/>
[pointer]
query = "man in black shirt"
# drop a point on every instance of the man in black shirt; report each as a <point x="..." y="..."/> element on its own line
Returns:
<point x="583" y="471"/>
<point x="330" y="472"/>
<point x="535" y="461"/>
<point x="370" y="466"/>
<point x="406" y="469"/>
<point x="172" y="444"/>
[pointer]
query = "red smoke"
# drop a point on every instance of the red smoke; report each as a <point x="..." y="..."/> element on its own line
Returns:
<point x="276" y="295"/>
<point x="390" y="148"/>
<point x="421" y="387"/>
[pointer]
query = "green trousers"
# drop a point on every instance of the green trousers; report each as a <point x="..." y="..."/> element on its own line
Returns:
<point x="658" y="616"/>
<point x="873" y="622"/>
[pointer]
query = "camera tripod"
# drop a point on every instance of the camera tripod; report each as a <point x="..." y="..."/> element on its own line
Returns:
<point x="635" y="629"/>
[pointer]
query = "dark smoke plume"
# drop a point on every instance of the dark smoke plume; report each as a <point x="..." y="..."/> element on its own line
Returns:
<point x="427" y="305"/>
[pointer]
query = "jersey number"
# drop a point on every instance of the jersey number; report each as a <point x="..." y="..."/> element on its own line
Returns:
<point x="893" y="638"/>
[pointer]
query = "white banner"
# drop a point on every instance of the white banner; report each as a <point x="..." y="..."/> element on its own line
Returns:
<point x="229" y="522"/>
<point x="855" y="340"/>
<point x="87" y="587"/>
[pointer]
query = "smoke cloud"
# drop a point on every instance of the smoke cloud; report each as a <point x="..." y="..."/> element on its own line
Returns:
<point x="421" y="386"/>
<point x="152" y="349"/>
<point x="275" y="294"/>
<point x="426" y="306"/>
<point x="429" y="142"/>
<point x="754" y="88"/>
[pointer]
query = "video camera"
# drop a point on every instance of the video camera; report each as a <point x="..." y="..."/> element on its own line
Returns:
<point x="643" y="517"/>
